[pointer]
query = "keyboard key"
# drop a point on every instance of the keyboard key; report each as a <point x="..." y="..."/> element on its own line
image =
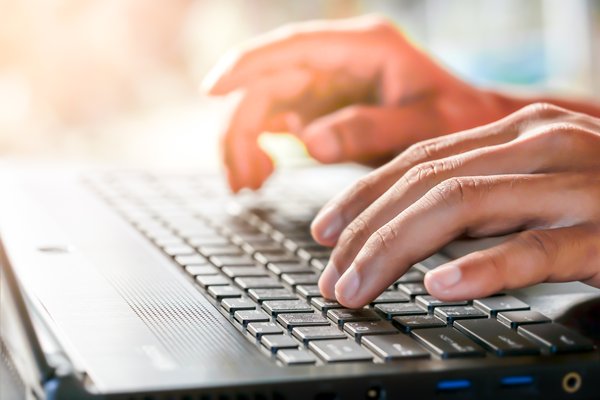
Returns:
<point x="413" y="289"/>
<point x="212" y="280"/>
<point x="394" y="347"/>
<point x="224" y="292"/>
<point x="195" y="259"/>
<point x="274" y="257"/>
<point x="342" y="315"/>
<point x="308" y="333"/>
<point x="430" y="302"/>
<point x="246" y="316"/>
<point x="179" y="250"/>
<point x="496" y="337"/>
<point x="235" y="304"/>
<point x="493" y="305"/>
<point x="295" y="357"/>
<point x="452" y="314"/>
<point x="391" y="296"/>
<point x="260" y="295"/>
<point x="308" y="291"/>
<point x="289" y="268"/>
<point x="359" y="329"/>
<point x="556" y="338"/>
<point x="195" y="270"/>
<point x="276" y="342"/>
<point x="448" y="342"/>
<point x="252" y="248"/>
<point x="390" y="310"/>
<point x="515" y="319"/>
<point x="226" y="250"/>
<point x="258" y="283"/>
<point x="332" y="351"/>
<point x="235" y="272"/>
<point x="411" y="276"/>
<point x="258" y="329"/>
<point x="300" y="279"/>
<point x="323" y="304"/>
<point x="293" y="320"/>
<point x="319" y="264"/>
<point x="231" y="261"/>
<point x="409" y="322"/>
<point x="275" y="307"/>
<point x="209" y="239"/>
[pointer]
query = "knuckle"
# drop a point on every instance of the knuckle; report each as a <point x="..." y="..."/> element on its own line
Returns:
<point x="542" y="242"/>
<point x="420" y="151"/>
<point x="541" y="110"/>
<point x="454" y="191"/>
<point x="358" y="228"/>
<point x="383" y="239"/>
<point x="568" y="135"/>
<point x="428" y="171"/>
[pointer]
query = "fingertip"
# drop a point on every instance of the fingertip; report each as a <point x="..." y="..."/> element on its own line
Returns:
<point x="328" y="280"/>
<point x="323" y="145"/>
<point x="327" y="226"/>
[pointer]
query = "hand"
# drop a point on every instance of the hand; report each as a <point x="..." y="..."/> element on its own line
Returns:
<point x="536" y="172"/>
<point x="352" y="90"/>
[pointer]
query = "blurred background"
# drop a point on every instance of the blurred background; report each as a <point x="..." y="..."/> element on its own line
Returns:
<point x="116" y="81"/>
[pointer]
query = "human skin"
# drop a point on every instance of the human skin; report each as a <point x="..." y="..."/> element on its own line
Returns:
<point x="357" y="90"/>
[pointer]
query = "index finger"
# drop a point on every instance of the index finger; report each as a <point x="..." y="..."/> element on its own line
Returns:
<point x="317" y="44"/>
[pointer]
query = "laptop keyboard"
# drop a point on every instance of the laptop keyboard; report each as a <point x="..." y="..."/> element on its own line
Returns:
<point x="258" y="263"/>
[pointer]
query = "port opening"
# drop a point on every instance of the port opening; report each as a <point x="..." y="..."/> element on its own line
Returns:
<point x="453" y="385"/>
<point x="571" y="382"/>
<point x="516" y="381"/>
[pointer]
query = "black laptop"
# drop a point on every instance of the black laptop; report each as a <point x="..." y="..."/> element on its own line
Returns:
<point x="139" y="285"/>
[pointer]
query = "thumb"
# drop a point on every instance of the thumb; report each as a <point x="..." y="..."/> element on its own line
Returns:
<point x="361" y="133"/>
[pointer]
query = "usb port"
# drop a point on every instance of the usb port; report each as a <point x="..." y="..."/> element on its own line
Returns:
<point x="451" y="385"/>
<point x="516" y="380"/>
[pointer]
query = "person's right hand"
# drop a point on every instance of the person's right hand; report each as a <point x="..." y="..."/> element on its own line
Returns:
<point x="351" y="90"/>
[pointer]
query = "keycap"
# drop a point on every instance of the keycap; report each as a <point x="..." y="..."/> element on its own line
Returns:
<point x="179" y="250"/>
<point x="212" y="280"/>
<point x="293" y="320"/>
<point x="225" y="250"/>
<point x="258" y="283"/>
<point x="556" y="338"/>
<point x="412" y="289"/>
<point x="252" y="248"/>
<point x="258" y="329"/>
<point x="515" y="319"/>
<point x="452" y="314"/>
<point x="308" y="291"/>
<point x="274" y="257"/>
<point x="195" y="270"/>
<point x="359" y="329"/>
<point x="295" y="357"/>
<point x="300" y="279"/>
<point x="276" y="342"/>
<point x="342" y="315"/>
<point x="493" y="305"/>
<point x="320" y="263"/>
<point x="496" y="337"/>
<point x="195" y="259"/>
<point x="289" y="268"/>
<point x="394" y="347"/>
<point x="448" y="342"/>
<point x="209" y="239"/>
<point x="332" y="351"/>
<point x="430" y="302"/>
<point x="260" y="295"/>
<point x="391" y="296"/>
<point x="235" y="272"/>
<point x="308" y="333"/>
<point x="409" y="322"/>
<point x="275" y="307"/>
<point x="224" y="292"/>
<point x="323" y="304"/>
<point x="390" y="310"/>
<point x="246" y="316"/>
<point x="231" y="261"/>
<point x="411" y="276"/>
<point x="235" y="304"/>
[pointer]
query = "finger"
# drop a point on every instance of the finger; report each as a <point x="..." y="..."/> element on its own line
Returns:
<point x="322" y="45"/>
<point x="530" y="257"/>
<point x="246" y="163"/>
<point x="469" y="205"/>
<point x="548" y="150"/>
<point x="344" y="208"/>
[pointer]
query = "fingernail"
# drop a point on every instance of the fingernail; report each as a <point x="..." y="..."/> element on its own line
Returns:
<point x="347" y="286"/>
<point x="445" y="277"/>
<point x="327" y="224"/>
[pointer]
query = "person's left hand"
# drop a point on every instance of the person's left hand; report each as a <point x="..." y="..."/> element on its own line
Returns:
<point x="536" y="171"/>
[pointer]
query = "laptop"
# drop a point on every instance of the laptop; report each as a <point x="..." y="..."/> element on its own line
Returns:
<point x="161" y="285"/>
